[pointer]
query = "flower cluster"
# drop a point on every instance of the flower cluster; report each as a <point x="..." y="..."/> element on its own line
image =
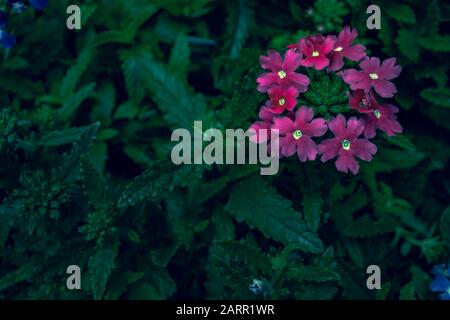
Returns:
<point x="299" y="129"/>
<point x="7" y="40"/>
<point x="441" y="281"/>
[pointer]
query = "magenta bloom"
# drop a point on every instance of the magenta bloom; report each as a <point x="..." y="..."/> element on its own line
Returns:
<point x="282" y="98"/>
<point x="282" y="71"/>
<point x="375" y="116"/>
<point x="346" y="145"/>
<point x="315" y="49"/>
<point x="343" y="47"/>
<point x="374" y="75"/>
<point x="264" y="125"/>
<point x="296" y="135"/>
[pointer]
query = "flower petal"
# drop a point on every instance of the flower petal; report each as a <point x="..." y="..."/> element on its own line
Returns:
<point x="337" y="126"/>
<point x="384" y="88"/>
<point x="363" y="149"/>
<point x="329" y="148"/>
<point x="306" y="149"/>
<point x="284" y="124"/>
<point x="346" y="162"/>
<point x="355" y="128"/>
<point x="272" y="61"/>
<point x="316" y="128"/>
<point x="389" y="70"/>
<point x="302" y="116"/>
<point x="355" y="53"/>
<point x="370" y="65"/>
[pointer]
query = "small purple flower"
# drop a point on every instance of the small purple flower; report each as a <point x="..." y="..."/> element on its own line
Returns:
<point x="374" y="75"/>
<point x="346" y="145"/>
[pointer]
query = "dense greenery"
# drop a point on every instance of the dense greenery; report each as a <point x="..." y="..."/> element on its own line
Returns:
<point x="86" y="178"/>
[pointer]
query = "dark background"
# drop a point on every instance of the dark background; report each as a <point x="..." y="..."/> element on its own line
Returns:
<point x="86" y="178"/>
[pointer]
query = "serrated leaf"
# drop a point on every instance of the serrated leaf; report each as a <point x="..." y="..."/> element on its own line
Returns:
<point x="179" y="56"/>
<point x="407" y="43"/>
<point x="100" y="266"/>
<point x="156" y="181"/>
<point x="402" y="13"/>
<point x="436" y="43"/>
<point x="135" y="64"/>
<point x="179" y="103"/>
<point x="240" y="17"/>
<point x="408" y="292"/>
<point x="258" y="204"/>
<point x="437" y="96"/>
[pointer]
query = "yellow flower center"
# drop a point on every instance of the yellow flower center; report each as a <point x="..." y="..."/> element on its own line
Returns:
<point x="297" y="134"/>
<point x="338" y="49"/>
<point x="281" y="102"/>
<point x="346" y="144"/>
<point x="373" y="76"/>
<point x="315" y="53"/>
<point x="377" y="113"/>
<point x="281" y="74"/>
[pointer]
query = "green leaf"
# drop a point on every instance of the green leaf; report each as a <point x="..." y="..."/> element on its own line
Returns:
<point x="61" y="137"/>
<point x="436" y="43"/>
<point x="408" y="292"/>
<point x="179" y="56"/>
<point x="73" y="75"/>
<point x="71" y="105"/>
<point x="258" y="204"/>
<point x="437" y="96"/>
<point x="156" y="181"/>
<point x="239" y="19"/>
<point x="100" y="266"/>
<point x="407" y="43"/>
<point x="135" y="62"/>
<point x="315" y="272"/>
<point x="401" y="13"/>
<point x="179" y="103"/>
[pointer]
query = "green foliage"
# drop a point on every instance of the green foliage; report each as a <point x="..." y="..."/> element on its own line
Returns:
<point x="86" y="178"/>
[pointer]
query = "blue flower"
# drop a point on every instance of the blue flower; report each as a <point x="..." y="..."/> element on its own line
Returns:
<point x="38" y="4"/>
<point x="16" y="6"/>
<point x="441" y="281"/>
<point x="7" y="40"/>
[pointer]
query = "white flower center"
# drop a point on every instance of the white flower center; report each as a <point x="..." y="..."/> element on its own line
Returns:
<point x="377" y="113"/>
<point x="281" y="74"/>
<point x="346" y="144"/>
<point x="373" y="76"/>
<point x="281" y="102"/>
<point x="338" y="49"/>
<point x="315" y="53"/>
<point x="297" y="134"/>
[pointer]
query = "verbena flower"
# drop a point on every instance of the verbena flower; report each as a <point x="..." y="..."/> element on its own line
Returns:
<point x="343" y="47"/>
<point x="295" y="135"/>
<point x="282" y="98"/>
<point x="7" y="40"/>
<point x="441" y="281"/>
<point x="346" y="145"/>
<point x="264" y="125"/>
<point x="375" y="116"/>
<point x="282" y="71"/>
<point x="315" y="49"/>
<point x="374" y="75"/>
<point x="20" y="6"/>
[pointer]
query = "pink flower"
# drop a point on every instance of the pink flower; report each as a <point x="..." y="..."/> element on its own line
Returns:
<point x="282" y="98"/>
<point x="343" y="48"/>
<point x="346" y="145"/>
<point x="374" y="75"/>
<point x="295" y="135"/>
<point x="264" y="125"/>
<point x="282" y="71"/>
<point x="375" y="116"/>
<point x="315" y="48"/>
